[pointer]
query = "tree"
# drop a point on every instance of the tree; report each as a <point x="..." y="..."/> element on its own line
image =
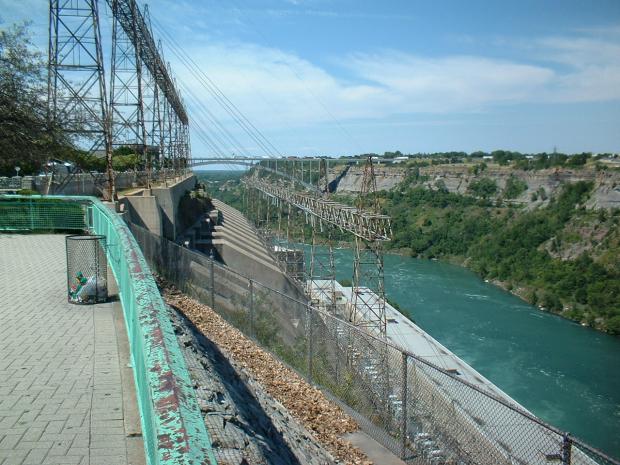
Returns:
<point x="578" y="160"/>
<point x="26" y="140"/>
<point x="485" y="188"/>
<point x="514" y="187"/>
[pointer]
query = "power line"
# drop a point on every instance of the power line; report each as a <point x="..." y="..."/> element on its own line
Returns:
<point x="213" y="119"/>
<point x="220" y="97"/>
<point x="308" y="89"/>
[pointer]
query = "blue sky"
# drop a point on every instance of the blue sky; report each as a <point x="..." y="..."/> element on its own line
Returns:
<point x="343" y="77"/>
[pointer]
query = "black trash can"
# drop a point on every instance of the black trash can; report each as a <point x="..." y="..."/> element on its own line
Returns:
<point x="87" y="269"/>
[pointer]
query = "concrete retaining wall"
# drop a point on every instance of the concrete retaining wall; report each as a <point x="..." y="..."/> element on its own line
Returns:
<point x="157" y="209"/>
<point x="168" y="199"/>
<point x="241" y="249"/>
<point x="144" y="211"/>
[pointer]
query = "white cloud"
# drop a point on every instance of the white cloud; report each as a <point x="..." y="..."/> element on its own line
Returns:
<point x="578" y="52"/>
<point x="276" y="87"/>
<point x="457" y="83"/>
<point x="279" y="88"/>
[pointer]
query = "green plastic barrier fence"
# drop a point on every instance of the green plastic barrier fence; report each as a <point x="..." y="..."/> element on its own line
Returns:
<point x="173" y="429"/>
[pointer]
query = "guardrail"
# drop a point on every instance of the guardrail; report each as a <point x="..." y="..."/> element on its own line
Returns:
<point x="418" y="410"/>
<point x="173" y="429"/>
<point x="85" y="183"/>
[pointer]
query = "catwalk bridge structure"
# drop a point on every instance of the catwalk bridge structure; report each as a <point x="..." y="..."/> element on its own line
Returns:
<point x="303" y="184"/>
<point x="289" y="185"/>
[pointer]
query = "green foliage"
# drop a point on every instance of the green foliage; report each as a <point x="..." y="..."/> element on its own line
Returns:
<point x="26" y="139"/>
<point x="514" y="187"/>
<point x="541" y="161"/>
<point x="435" y="223"/>
<point x="477" y="168"/>
<point x="504" y="157"/>
<point x="578" y="160"/>
<point x="27" y="192"/>
<point x="613" y="324"/>
<point x="392" y="154"/>
<point x="483" y="188"/>
<point x="192" y="205"/>
<point x="124" y="150"/>
<point x="85" y="161"/>
<point x="126" y="162"/>
<point x="508" y="244"/>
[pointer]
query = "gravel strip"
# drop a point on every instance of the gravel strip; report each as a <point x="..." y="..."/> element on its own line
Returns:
<point x="323" y="418"/>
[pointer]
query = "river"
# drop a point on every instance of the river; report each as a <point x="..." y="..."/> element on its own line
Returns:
<point x="564" y="373"/>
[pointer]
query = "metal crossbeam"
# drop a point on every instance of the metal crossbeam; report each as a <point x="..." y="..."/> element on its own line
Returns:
<point x="366" y="226"/>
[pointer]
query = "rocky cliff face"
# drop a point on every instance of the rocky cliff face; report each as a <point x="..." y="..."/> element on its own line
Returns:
<point x="541" y="185"/>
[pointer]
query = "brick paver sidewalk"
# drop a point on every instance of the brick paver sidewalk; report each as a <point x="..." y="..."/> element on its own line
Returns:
<point x="66" y="394"/>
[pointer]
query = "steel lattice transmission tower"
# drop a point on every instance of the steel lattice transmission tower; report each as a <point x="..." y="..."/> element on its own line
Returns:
<point x="368" y="290"/>
<point x="76" y="77"/>
<point x="364" y="221"/>
<point x="126" y="89"/>
<point x="146" y="111"/>
<point x="143" y="84"/>
<point x="322" y="279"/>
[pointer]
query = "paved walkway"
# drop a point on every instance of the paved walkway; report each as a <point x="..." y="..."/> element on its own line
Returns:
<point x="66" y="389"/>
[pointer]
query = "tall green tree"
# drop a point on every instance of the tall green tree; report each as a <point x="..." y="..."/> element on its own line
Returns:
<point x="26" y="140"/>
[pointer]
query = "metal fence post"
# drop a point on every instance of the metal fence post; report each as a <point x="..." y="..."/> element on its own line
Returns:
<point x="30" y="210"/>
<point x="212" y="267"/>
<point x="403" y="395"/>
<point x="252" y="308"/>
<point x="566" y="449"/>
<point x="309" y="341"/>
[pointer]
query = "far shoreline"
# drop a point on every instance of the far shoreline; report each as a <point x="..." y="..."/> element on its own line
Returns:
<point x="504" y="286"/>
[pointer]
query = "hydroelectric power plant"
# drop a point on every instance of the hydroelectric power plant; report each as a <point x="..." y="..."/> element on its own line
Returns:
<point x="225" y="335"/>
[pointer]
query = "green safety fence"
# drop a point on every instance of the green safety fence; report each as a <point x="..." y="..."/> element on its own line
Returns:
<point x="41" y="214"/>
<point x="173" y="429"/>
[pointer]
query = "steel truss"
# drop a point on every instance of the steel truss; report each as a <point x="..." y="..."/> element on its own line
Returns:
<point x="368" y="298"/>
<point x="369" y="227"/>
<point x="265" y="211"/>
<point x="365" y="225"/>
<point x="170" y="139"/>
<point x="146" y="111"/>
<point x="126" y="91"/>
<point x="139" y="33"/>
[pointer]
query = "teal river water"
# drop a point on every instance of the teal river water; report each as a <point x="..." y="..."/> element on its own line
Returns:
<point x="565" y="374"/>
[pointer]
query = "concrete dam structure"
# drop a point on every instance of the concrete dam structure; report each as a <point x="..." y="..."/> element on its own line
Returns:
<point x="234" y="242"/>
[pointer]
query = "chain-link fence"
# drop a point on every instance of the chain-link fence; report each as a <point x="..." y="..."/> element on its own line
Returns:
<point x="421" y="412"/>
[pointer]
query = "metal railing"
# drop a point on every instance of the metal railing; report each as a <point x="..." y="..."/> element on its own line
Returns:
<point x="421" y="412"/>
<point x="173" y="428"/>
<point x="83" y="183"/>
